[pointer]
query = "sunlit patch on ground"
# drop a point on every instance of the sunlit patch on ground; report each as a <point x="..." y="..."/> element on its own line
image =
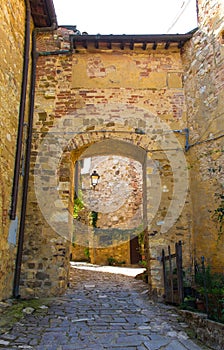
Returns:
<point x="127" y="271"/>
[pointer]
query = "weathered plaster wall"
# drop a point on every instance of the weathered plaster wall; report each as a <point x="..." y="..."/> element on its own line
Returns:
<point x="204" y="87"/>
<point x="12" y="19"/>
<point x="109" y="98"/>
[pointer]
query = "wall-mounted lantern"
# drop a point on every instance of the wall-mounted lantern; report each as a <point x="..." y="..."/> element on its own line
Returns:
<point x="94" y="178"/>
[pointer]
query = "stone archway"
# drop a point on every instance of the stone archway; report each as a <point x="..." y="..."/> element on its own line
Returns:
<point x="71" y="136"/>
<point x="118" y="201"/>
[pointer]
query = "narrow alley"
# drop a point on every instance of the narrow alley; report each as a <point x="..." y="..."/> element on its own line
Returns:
<point x="101" y="310"/>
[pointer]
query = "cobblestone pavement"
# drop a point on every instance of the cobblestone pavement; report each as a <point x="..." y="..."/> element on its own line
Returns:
<point x="101" y="310"/>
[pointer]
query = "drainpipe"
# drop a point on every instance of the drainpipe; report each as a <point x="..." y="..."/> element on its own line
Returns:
<point x="27" y="161"/>
<point x="21" y="113"/>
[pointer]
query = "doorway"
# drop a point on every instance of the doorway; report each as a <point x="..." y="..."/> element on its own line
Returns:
<point x="135" y="249"/>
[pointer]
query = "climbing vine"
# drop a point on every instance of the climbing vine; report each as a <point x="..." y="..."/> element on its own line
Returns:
<point x="219" y="216"/>
<point x="78" y="205"/>
<point x="94" y="217"/>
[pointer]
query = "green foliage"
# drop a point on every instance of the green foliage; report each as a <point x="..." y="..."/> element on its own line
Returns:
<point x="78" y="206"/>
<point x="114" y="262"/>
<point x="111" y="261"/>
<point x="189" y="303"/>
<point x="143" y="263"/>
<point x="87" y="253"/>
<point x="94" y="217"/>
<point x="141" y="237"/>
<point x="14" y="313"/>
<point x="214" y="282"/>
<point x="219" y="215"/>
<point x="211" y="286"/>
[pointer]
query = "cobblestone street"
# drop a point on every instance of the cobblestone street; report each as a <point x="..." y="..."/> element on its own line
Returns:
<point x="101" y="310"/>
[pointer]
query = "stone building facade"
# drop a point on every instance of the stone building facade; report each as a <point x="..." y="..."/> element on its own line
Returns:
<point x="156" y="100"/>
<point x="203" y="62"/>
<point x="105" y="99"/>
<point x="12" y="42"/>
<point x="18" y="20"/>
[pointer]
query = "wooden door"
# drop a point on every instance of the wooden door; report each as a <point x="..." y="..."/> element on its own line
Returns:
<point x="135" y="251"/>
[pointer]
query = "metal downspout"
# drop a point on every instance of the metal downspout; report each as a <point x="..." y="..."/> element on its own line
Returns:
<point x="27" y="163"/>
<point x="21" y="113"/>
<point x="26" y="178"/>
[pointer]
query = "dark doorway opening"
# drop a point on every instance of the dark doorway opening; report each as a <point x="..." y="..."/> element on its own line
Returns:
<point x="135" y="251"/>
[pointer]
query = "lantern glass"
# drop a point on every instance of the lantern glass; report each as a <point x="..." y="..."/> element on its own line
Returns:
<point x="94" y="178"/>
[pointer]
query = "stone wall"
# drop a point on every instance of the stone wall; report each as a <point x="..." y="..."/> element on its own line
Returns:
<point x="132" y="97"/>
<point x="86" y="98"/>
<point x="203" y="60"/>
<point x="12" y="18"/>
<point x="116" y="199"/>
<point x="207" y="331"/>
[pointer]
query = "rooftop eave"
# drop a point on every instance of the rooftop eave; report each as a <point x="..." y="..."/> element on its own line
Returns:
<point x="129" y="41"/>
<point x="43" y="13"/>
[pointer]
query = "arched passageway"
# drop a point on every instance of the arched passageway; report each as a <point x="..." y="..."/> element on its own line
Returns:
<point x="102" y="130"/>
<point x="109" y="218"/>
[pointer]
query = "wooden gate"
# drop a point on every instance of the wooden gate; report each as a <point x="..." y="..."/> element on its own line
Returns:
<point x="173" y="275"/>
